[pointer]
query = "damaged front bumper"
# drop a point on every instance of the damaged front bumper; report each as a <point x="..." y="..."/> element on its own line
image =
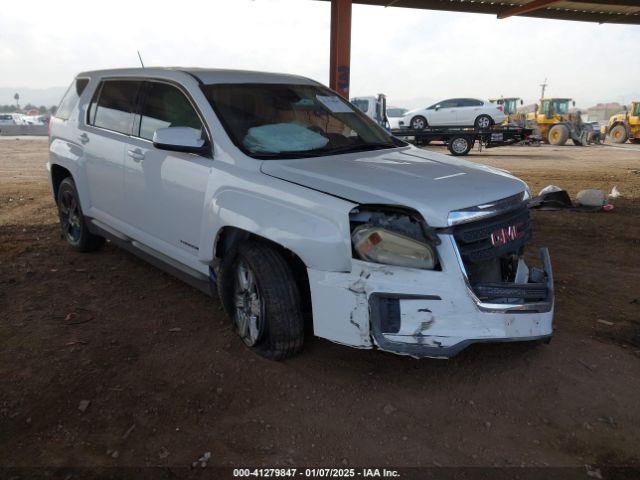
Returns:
<point x="425" y="313"/>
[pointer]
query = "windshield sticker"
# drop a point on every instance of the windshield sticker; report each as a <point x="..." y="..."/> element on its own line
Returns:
<point x="334" y="104"/>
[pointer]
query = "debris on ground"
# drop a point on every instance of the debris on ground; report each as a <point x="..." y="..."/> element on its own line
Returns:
<point x="615" y="193"/>
<point x="389" y="409"/>
<point x="606" y="322"/>
<point x="84" y="404"/>
<point x="126" y="434"/>
<point x="202" y="461"/>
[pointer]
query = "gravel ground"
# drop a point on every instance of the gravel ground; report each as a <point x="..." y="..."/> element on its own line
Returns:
<point x="106" y="361"/>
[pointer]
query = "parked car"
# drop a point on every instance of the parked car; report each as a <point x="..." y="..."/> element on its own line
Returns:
<point x="293" y="205"/>
<point x="394" y="115"/>
<point x="468" y="112"/>
<point x="7" y="119"/>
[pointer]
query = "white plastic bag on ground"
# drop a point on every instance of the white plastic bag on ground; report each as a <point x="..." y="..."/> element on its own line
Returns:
<point x="591" y="198"/>
<point x="615" y="193"/>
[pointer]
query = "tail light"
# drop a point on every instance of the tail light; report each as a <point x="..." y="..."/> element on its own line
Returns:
<point x="500" y="107"/>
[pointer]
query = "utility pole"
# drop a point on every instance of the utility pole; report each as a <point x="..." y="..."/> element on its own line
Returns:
<point x="543" y="85"/>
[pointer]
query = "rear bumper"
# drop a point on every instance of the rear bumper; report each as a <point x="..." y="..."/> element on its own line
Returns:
<point x="422" y="313"/>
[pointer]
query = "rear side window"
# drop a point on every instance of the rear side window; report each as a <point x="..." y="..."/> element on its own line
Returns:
<point x="70" y="98"/>
<point x="166" y="106"/>
<point x="115" y="105"/>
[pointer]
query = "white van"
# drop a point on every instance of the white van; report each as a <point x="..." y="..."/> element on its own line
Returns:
<point x="290" y="203"/>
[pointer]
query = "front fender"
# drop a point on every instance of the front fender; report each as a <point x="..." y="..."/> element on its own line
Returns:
<point x="313" y="225"/>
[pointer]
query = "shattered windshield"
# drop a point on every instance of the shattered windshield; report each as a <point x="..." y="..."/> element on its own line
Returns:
<point x="271" y="121"/>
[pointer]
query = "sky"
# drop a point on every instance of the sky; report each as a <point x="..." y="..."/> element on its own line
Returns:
<point x="415" y="57"/>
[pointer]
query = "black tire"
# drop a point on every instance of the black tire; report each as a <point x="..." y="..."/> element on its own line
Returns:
<point x="72" y="222"/>
<point x="279" y="326"/>
<point x="483" y="122"/>
<point x="418" y="123"/>
<point x="460" y="145"/>
<point x="618" y="134"/>
<point x="635" y="140"/>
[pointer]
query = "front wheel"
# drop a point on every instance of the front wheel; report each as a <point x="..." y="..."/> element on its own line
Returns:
<point x="72" y="221"/>
<point x="418" y="123"/>
<point x="558" y="135"/>
<point x="261" y="295"/>
<point x="618" y="134"/>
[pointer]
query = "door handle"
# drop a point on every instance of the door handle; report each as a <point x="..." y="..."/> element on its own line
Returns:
<point x="84" y="138"/>
<point x="136" y="155"/>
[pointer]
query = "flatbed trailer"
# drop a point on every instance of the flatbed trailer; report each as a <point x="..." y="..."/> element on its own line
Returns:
<point x="460" y="140"/>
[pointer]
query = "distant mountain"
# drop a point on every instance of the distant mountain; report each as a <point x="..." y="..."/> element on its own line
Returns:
<point x="36" y="96"/>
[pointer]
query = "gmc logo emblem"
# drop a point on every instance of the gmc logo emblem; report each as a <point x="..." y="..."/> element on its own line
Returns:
<point x="502" y="236"/>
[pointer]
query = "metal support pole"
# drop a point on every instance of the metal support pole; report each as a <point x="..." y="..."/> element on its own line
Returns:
<point x="340" y="63"/>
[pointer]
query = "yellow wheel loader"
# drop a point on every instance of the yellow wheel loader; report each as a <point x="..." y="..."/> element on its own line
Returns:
<point x="625" y="126"/>
<point x="510" y="109"/>
<point x="555" y="123"/>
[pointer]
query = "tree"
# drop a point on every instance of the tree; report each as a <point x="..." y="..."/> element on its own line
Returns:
<point x="16" y="97"/>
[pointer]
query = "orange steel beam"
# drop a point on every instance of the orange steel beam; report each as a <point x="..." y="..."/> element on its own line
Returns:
<point x="340" y="57"/>
<point x="529" y="7"/>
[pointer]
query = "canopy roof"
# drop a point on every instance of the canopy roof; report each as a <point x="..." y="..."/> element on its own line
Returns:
<point x="600" y="11"/>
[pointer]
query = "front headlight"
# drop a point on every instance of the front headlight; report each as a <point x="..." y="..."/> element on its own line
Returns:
<point x="379" y="245"/>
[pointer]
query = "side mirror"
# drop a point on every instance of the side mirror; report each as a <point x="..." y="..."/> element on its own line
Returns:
<point x="437" y="108"/>
<point x="179" y="139"/>
<point x="574" y="103"/>
<point x="521" y="102"/>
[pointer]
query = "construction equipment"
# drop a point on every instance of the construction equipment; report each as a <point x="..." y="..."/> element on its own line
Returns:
<point x="510" y="109"/>
<point x="625" y="126"/>
<point x="555" y="123"/>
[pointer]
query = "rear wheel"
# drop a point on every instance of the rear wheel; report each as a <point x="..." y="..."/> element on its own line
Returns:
<point x="459" y="145"/>
<point x="259" y="291"/>
<point x="483" y="122"/>
<point x="418" y="123"/>
<point x="558" y="135"/>
<point x="72" y="221"/>
<point x="618" y="134"/>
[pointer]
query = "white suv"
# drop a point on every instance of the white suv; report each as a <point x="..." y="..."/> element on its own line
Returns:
<point x="294" y="206"/>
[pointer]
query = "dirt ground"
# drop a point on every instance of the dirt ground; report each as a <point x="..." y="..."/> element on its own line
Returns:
<point x="161" y="378"/>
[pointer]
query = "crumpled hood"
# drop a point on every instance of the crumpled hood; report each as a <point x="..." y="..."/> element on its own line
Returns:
<point x="431" y="183"/>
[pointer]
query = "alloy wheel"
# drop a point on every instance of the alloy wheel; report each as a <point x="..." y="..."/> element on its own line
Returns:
<point x="484" y="122"/>
<point x="70" y="217"/>
<point x="417" y="124"/>
<point x="249" y="310"/>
